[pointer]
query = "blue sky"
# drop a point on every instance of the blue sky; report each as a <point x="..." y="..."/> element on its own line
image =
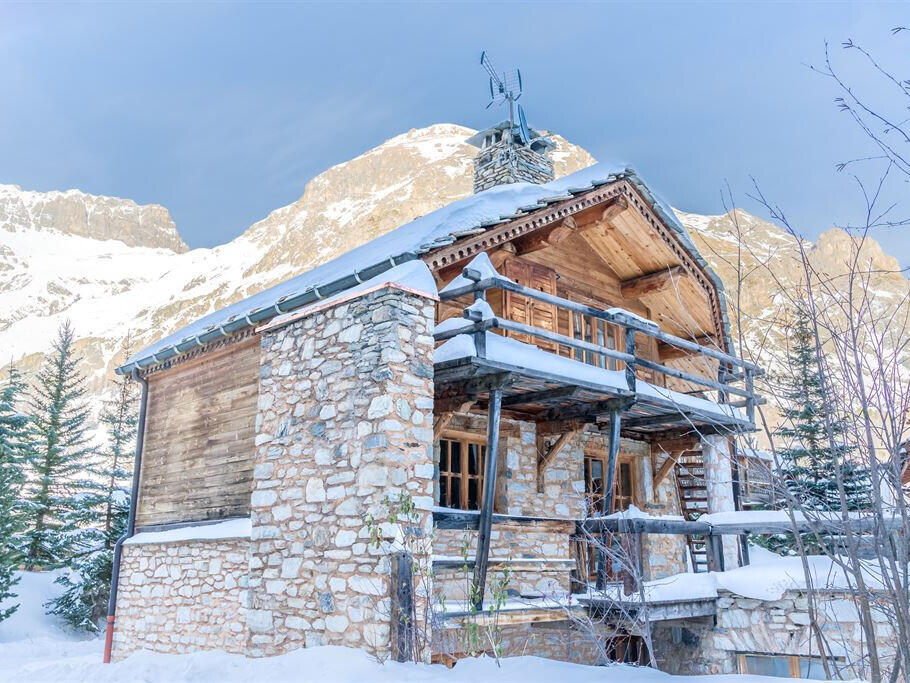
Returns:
<point x="222" y="112"/>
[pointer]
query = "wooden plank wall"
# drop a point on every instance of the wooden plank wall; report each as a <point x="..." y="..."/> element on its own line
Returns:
<point x="198" y="457"/>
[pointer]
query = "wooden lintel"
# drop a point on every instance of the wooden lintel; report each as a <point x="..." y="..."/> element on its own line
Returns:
<point x="544" y="461"/>
<point x="445" y="419"/>
<point x="637" y="287"/>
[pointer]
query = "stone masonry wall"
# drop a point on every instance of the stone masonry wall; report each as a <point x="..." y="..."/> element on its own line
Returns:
<point x="345" y="419"/>
<point x="503" y="163"/>
<point x="182" y="597"/>
<point x="745" y="625"/>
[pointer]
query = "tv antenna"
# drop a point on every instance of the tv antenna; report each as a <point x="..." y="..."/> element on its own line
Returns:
<point x="504" y="87"/>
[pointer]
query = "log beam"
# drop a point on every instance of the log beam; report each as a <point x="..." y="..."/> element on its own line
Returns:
<point x="614" y="210"/>
<point x="543" y="461"/>
<point x="664" y="470"/>
<point x="541" y="239"/>
<point x="637" y="287"/>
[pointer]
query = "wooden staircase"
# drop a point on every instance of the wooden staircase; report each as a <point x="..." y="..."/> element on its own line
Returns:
<point x="693" y="501"/>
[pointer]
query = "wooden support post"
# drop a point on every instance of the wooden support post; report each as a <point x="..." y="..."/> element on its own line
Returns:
<point x="544" y="461"/>
<point x="750" y="399"/>
<point x="485" y="523"/>
<point x="630" y="366"/>
<point x="613" y="456"/>
<point x="403" y="612"/>
<point x="714" y="550"/>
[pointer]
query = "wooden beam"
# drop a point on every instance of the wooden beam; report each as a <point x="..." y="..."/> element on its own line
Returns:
<point x="539" y="396"/>
<point x="613" y="456"/>
<point x="637" y="287"/>
<point x="665" y="470"/>
<point x="544" y="461"/>
<point x="541" y="239"/>
<point x="614" y="210"/>
<point x="443" y="421"/>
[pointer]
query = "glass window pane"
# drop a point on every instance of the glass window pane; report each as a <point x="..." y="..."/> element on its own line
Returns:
<point x="473" y="458"/>
<point x="767" y="666"/>
<point x="456" y="493"/>
<point x="444" y="455"/>
<point x="455" y="459"/>
<point x="625" y="479"/>
<point x="443" y="495"/>
<point x="473" y="495"/>
<point x="813" y="668"/>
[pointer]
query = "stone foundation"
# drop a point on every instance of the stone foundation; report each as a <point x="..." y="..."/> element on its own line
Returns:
<point x="181" y="597"/>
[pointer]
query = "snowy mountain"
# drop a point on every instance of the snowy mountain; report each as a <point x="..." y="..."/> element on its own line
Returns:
<point x="115" y="268"/>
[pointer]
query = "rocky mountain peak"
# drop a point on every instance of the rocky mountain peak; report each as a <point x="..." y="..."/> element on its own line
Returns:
<point x="85" y="215"/>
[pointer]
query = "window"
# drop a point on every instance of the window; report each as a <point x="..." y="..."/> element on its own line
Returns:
<point x="595" y="477"/>
<point x="785" y="666"/>
<point x="461" y="462"/>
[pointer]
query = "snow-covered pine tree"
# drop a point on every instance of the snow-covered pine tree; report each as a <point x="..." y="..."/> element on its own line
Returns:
<point x="808" y="462"/>
<point x="60" y="455"/>
<point x="14" y="444"/>
<point x="102" y="513"/>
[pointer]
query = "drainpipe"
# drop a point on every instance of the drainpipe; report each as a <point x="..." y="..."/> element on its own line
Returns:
<point x="131" y="518"/>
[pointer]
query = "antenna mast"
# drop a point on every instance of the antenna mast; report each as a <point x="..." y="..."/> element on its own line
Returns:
<point x="505" y="87"/>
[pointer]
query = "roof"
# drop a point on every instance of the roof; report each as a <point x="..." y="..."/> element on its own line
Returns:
<point x="442" y="227"/>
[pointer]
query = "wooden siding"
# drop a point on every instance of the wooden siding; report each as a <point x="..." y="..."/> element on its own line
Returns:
<point x="199" y="451"/>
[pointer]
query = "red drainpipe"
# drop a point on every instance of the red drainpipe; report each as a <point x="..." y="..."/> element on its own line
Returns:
<point x="131" y="519"/>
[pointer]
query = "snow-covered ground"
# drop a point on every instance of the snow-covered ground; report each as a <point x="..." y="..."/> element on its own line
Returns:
<point x="35" y="648"/>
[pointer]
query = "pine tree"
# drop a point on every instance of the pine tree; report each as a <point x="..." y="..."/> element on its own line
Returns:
<point x="60" y="455"/>
<point x="101" y="514"/>
<point x="809" y="463"/>
<point x="14" y="443"/>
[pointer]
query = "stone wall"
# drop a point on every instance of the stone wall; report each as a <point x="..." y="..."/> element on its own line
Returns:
<point x="181" y="597"/>
<point x="745" y="625"/>
<point x="544" y="546"/>
<point x="345" y="419"/>
<point x="554" y="640"/>
<point x="504" y="163"/>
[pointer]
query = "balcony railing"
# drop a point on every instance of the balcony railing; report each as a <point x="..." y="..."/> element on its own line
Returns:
<point x="735" y="379"/>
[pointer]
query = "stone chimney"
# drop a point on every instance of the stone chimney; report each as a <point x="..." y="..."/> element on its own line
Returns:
<point x="505" y="157"/>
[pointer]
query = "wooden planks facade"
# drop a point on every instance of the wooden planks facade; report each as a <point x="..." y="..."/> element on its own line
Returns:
<point x="199" y="449"/>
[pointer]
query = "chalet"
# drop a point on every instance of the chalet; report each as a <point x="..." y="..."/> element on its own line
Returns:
<point x="522" y="364"/>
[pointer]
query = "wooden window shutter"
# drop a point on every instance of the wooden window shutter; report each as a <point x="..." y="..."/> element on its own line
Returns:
<point x="521" y="309"/>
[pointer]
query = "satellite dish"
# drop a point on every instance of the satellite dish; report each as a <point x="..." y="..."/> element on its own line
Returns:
<point x="523" y="129"/>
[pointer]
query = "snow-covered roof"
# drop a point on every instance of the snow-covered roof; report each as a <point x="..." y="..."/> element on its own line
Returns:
<point x="444" y="226"/>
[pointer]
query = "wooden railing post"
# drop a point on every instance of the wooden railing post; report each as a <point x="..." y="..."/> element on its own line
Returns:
<point x="750" y="398"/>
<point x="403" y="612"/>
<point x="630" y="365"/>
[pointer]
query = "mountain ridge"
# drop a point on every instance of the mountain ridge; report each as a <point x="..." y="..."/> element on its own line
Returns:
<point x="149" y="285"/>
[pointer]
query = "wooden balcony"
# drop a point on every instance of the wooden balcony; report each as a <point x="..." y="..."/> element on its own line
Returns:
<point x="548" y="377"/>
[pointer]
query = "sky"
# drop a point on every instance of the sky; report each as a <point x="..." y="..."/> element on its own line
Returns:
<point x="222" y="111"/>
